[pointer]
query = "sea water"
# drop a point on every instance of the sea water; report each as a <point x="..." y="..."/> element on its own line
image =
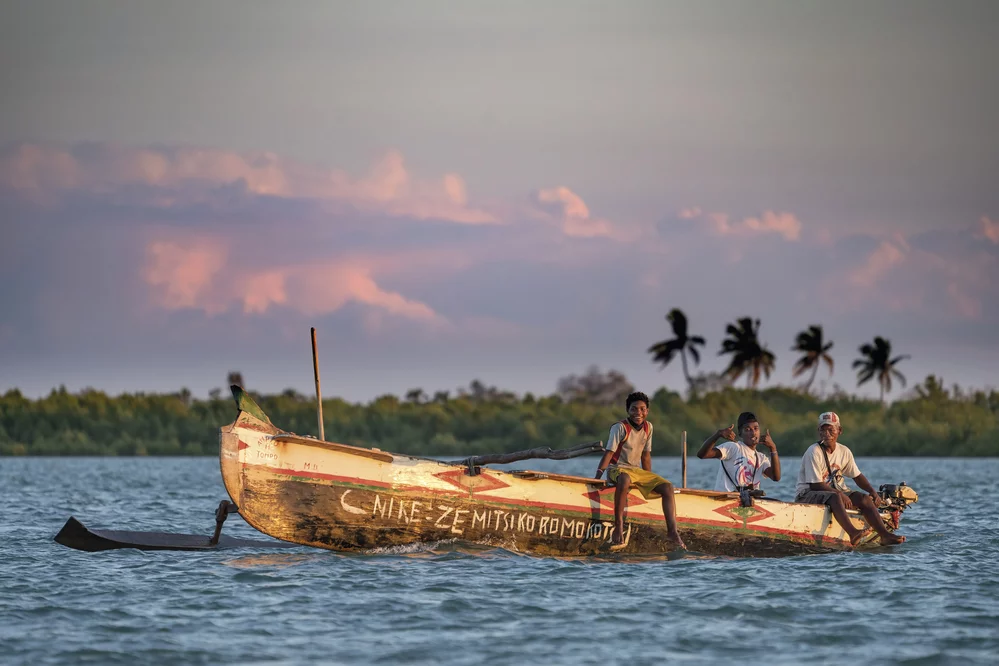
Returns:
<point x="935" y="599"/>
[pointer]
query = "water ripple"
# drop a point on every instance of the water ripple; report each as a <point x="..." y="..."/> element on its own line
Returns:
<point x="932" y="600"/>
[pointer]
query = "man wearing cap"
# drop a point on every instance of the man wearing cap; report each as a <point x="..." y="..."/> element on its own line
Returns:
<point x="820" y="481"/>
<point x="628" y="462"/>
<point x="742" y="466"/>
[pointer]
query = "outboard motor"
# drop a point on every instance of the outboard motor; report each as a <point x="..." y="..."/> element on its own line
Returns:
<point x="897" y="498"/>
<point x="899" y="495"/>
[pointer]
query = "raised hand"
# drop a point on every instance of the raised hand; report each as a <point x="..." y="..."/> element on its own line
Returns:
<point x="728" y="433"/>
<point x="768" y="442"/>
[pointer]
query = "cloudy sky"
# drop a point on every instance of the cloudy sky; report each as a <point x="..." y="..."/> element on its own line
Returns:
<point x="504" y="191"/>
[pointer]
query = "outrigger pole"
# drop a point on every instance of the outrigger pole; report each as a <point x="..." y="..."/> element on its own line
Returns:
<point x="319" y="393"/>
<point x="588" y="448"/>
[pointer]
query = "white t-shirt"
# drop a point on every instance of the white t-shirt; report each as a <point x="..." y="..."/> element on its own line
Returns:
<point x="743" y="464"/>
<point x="814" y="470"/>
<point x="631" y="446"/>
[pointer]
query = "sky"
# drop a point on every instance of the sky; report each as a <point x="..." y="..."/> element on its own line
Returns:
<point x="510" y="192"/>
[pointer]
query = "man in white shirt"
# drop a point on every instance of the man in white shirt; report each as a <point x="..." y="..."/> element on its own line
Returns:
<point x="820" y="481"/>
<point x="742" y="466"/>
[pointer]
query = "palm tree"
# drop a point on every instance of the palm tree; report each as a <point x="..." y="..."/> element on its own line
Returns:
<point x="748" y="355"/>
<point x="813" y="350"/>
<point x="878" y="362"/>
<point x="664" y="352"/>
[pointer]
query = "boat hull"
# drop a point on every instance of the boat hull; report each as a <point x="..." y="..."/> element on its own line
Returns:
<point x="346" y="498"/>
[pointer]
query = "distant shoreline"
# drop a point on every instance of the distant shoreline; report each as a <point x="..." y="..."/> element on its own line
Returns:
<point x="933" y="422"/>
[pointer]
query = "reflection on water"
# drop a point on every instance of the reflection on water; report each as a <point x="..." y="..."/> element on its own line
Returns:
<point x="271" y="560"/>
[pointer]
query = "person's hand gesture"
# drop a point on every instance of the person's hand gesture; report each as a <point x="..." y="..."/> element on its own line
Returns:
<point x="768" y="442"/>
<point x="728" y="433"/>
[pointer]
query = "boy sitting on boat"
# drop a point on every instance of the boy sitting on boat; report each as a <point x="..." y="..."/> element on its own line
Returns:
<point x="820" y="481"/>
<point x="628" y="461"/>
<point x="742" y="466"/>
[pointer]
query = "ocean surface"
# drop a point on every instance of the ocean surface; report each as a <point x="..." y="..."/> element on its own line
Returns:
<point x="933" y="600"/>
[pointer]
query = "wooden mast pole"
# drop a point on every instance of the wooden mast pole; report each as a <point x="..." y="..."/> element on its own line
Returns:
<point x="319" y="393"/>
<point x="683" y="459"/>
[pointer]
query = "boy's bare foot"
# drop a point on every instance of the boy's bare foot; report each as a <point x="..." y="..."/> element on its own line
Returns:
<point x="675" y="538"/>
<point x="892" y="539"/>
<point x="860" y="535"/>
<point x="617" y="540"/>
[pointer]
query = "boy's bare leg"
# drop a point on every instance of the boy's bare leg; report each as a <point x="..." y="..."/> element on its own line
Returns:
<point x="620" y="501"/>
<point x="669" y="511"/>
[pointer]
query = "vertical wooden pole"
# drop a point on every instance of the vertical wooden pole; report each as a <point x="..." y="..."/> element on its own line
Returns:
<point x="683" y="460"/>
<point x="319" y="393"/>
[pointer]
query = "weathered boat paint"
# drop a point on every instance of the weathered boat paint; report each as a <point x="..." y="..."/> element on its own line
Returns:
<point x="347" y="498"/>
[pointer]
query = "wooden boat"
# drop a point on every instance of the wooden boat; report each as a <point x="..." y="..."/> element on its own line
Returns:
<point x="347" y="498"/>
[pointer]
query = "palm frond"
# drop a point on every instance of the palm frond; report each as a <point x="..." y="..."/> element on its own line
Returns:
<point x="803" y="364"/>
<point x="678" y="321"/>
<point x="694" y="354"/>
<point x="665" y="351"/>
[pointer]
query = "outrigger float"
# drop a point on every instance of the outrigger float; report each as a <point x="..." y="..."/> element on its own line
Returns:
<point x="311" y="492"/>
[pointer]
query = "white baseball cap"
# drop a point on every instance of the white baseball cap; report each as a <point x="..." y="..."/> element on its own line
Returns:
<point x="829" y="418"/>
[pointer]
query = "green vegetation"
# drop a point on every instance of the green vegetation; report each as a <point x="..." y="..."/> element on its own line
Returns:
<point x="932" y="421"/>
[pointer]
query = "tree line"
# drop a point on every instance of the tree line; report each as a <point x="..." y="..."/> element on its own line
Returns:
<point x="931" y="421"/>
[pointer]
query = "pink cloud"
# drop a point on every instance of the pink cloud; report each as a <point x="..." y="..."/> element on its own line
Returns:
<point x="888" y="255"/>
<point x="182" y="274"/>
<point x="783" y="224"/>
<point x="990" y="229"/>
<point x="262" y="290"/>
<point x="196" y="274"/>
<point x="327" y="287"/>
<point x="45" y="171"/>
<point x="900" y="277"/>
<point x="569" y="209"/>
